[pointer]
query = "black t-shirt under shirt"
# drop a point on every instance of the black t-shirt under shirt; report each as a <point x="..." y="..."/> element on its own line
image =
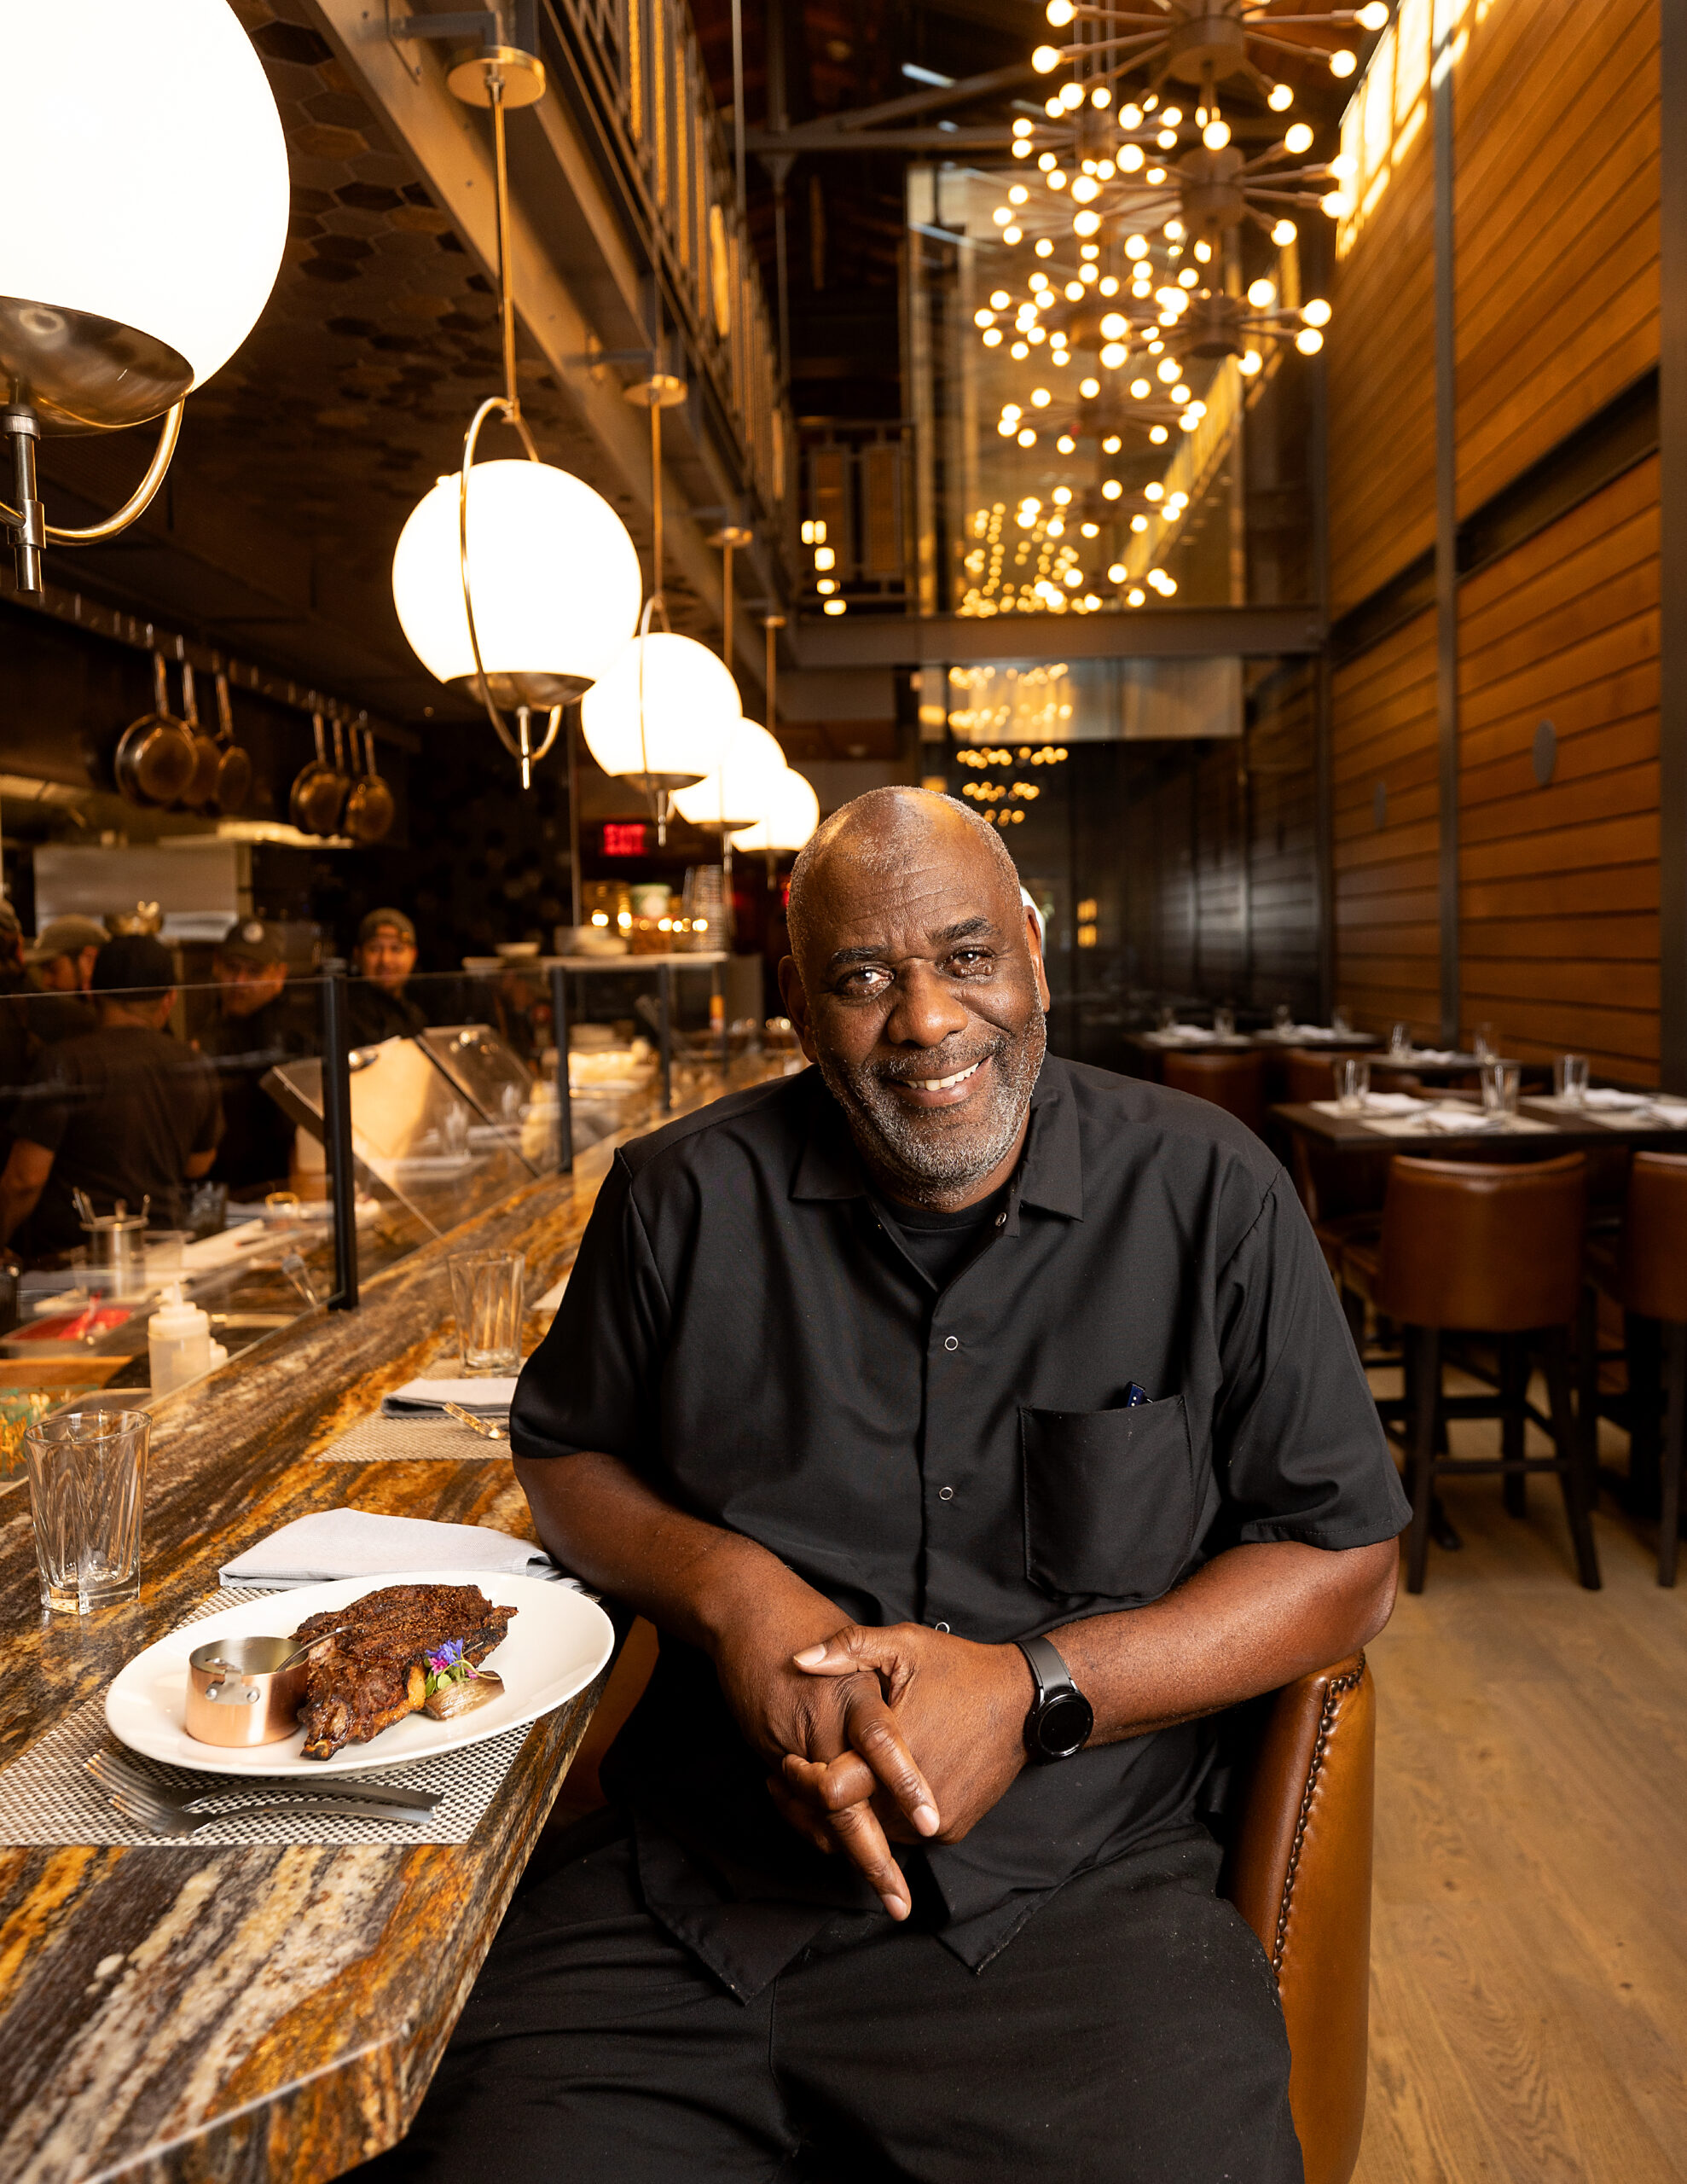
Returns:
<point x="939" y="1243"/>
<point x="748" y="1330"/>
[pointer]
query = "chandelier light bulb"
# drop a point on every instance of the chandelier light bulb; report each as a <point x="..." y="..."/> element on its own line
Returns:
<point x="1216" y="135"/>
<point x="1159" y="435"/>
<point x="1262" y="295"/>
<point x="1086" y="189"/>
<point x="1087" y="223"/>
<point x="1297" y="138"/>
<point x="741" y="788"/>
<point x="1113" y="354"/>
<point x="1373" y="15"/>
<point x="1281" y="97"/>
<point x="1101" y="97"/>
<point x="1055" y="111"/>
<point x="1136" y="247"/>
<point x="1342" y="62"/>
<point x="1130" y="159"/>
<point x="1250" y="362"/>
<point x="554" y="575"/>
<point x="1317" y="312"/>
<point x="1135" y="596"/>
<point x="1110" y="489"/>
<point x="794" y="815"/>
<point x="1045" y="59"/>
<point x="1335" y="205"/>
<point x="1284" y="234"/>
<point x="1308" y="341"/>
<point x="1089" y="388"/>
<point x="1072" y="96"/>
<point x="1344" y="166"/>
<point x="147" y="198"/>
<point x="665" y="706"/>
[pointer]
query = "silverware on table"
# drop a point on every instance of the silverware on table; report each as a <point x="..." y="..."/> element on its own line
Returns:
<point x="167" y="1820"/>
<point x="119" y="1774"/>
<point x="487" y="1428"/>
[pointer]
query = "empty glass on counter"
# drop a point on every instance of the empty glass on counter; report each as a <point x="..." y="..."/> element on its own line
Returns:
<point x="1339" y="1020"/>
<point x="1486" y="1045"/>
<point x="87" y="1481"/>
<point x="1166" y="1020"/>
<point x="1224" y="1023"/>
<point x="1502" y="1082"/>
<point x="1282" y="1017"/>
<point x="1400" y="1041"/>
<point x="1569" y="1078"/>
<point x="1353" y="1082"/>
<point x="488" y="1295"/>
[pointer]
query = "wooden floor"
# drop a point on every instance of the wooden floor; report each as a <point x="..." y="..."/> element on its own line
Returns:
<point x="1529" y="1951"/>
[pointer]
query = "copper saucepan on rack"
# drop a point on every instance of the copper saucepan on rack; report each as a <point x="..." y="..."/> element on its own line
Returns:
<point x="155" y="757"/>
<point x="319" y="793"/>
<point x="369" y="808"/>
<point x="234" y="765"/>
<point x="200" y="794"/>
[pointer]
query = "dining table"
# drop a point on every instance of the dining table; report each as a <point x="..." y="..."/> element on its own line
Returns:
<point x="187" y="2012"/>
<point x="1541" y="1129"/>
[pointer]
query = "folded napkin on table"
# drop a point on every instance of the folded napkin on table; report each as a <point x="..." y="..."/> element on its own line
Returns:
<point x="1461" y="1119"/>
<point x="1392" y="1103"/>
<point x="360" y="1544"/>
<point x="1599" y="1096"/>
<point x="487" y="1399"/>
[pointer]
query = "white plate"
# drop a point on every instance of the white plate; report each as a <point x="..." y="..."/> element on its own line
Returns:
<point x="557" y="1642"/>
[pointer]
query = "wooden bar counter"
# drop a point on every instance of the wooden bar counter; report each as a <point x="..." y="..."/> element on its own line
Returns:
<point x="207" y="2013"/>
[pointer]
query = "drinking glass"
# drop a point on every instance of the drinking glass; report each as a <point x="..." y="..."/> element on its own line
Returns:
<point x="1487" y="1047"/>
<point x="1400" y="1040"/>
<point x="1502" y="1081"/>
<point x="1282" y="1017"/>
<point x="488" y="1293"/>
<point x="1353" y="1082"/>
<point x="1166" y="1020"/>
<point x="1569" y="1078"/>
<point x="1339" y="1020"/>
<point x="1224" y="1023"/>
<point x="87" y="1481"/>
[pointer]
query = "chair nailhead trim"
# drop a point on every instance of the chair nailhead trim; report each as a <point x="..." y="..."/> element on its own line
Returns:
<point x="1333" y="1694"/>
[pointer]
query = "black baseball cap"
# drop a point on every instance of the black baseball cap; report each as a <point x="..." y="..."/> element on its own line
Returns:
<point x="251" y="941"/>
<point x="134" y="962"/>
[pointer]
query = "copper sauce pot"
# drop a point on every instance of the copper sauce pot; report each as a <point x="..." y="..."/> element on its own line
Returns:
<point x="245" y="1691"/>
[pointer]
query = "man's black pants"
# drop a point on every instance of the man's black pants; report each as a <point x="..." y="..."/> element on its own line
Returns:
<point x="1129" y="2034"/>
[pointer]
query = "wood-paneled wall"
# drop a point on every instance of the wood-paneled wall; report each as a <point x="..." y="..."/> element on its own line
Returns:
<point x="1388" y="938"/>
<point x="1558" y="910"/>
<point x="1556" y="224"/>
<point x="1283" y="879"/>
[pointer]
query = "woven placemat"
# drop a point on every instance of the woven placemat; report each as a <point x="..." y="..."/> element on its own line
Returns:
<point x="48" y="1798"/>
<point x="411" y="1441"/>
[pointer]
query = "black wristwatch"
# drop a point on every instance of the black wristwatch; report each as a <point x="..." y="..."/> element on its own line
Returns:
<point x="1061" y="1718"/>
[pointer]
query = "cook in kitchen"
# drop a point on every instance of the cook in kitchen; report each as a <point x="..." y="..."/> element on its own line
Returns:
<point x="973" y="1426"/>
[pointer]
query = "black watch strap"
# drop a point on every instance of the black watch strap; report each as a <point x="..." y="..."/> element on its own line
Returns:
<point x="1061" y="1718"/>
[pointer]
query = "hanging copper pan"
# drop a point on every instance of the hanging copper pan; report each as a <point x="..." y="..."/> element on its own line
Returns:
<point x="369" y="808"/>
<point x="234" y="765"/>
<point x="155" y="757"/>
<point x="319" y="792"/>
<point x="200" y="794"/>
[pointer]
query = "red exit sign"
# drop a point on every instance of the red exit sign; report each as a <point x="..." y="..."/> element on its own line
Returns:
<point x="623" y="838"/>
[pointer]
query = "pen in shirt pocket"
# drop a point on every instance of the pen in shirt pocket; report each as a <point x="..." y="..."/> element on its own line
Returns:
<point x="1135" y="1394"/>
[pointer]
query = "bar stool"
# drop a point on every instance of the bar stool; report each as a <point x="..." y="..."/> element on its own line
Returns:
<point x="1648" y="1276"/>
<point x="1233" y="1081"/>
<point x="1472" y="1249"/>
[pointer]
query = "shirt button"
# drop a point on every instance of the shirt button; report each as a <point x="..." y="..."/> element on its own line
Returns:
<point x="951" y="1342"/>
<point x="940" y="1626"/>
<point x="946" y="1494"/>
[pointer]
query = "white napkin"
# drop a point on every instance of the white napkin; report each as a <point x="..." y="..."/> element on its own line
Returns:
<point x="1392" y="1103"/>
<point x="1462" y="1118"/>
<point x="1432" y="1053"/>
<point x="489" y="1397"/>
<point x="1600" y="1096"/>
<point x="360" y="1544"/>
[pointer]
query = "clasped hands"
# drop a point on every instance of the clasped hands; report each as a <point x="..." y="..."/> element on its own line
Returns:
<point x="873" y="1735"/>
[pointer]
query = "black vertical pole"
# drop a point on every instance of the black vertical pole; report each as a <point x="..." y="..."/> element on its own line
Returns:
<point x="664" y="978"/>
<point x="1447" y="538"/>
<point x="565" y="1117"/>
<point x="1672" y="618"/>
<point x="337" y="1135"/>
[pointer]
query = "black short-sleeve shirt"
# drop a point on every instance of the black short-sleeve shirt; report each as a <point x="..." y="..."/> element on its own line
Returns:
<point x="745" y="1330"/>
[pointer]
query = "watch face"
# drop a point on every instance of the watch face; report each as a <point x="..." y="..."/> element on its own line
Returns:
<point x="1063" y="1725"/>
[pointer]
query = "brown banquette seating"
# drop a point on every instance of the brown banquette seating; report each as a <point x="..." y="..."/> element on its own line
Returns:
<point x="1298" y="1870"/>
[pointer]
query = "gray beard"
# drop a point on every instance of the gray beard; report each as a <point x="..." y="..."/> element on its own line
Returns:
<point x="929" y="1159"/>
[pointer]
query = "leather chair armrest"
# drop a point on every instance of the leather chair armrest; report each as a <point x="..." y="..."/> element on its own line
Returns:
<point x="1301" y="1877"/>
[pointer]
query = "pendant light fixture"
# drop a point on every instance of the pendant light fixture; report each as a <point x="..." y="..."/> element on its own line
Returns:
<point x="146" y="204"/>
<point x="513" y="579"/>
<point x="661" y="716"/>
<point x="794" y="816"/>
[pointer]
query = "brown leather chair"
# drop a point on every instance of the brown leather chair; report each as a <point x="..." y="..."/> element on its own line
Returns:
<point x="1647" y="1274"/>
<point x="1235" y="1082"/>
<point x="1473" y="1249"/>
<point x="1298" y="1870"/>
<point x="1308" y="1076"/>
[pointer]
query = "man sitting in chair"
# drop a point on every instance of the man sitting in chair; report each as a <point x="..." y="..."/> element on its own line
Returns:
<point x="973" y="1426"/>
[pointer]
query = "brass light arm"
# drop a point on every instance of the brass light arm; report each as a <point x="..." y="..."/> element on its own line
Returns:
<point x="140" y="499"/>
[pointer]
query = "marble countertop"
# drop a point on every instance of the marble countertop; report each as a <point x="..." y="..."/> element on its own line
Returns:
<point x="258" y="2013"/>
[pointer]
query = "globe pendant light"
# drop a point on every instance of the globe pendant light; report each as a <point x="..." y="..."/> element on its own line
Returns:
<point x="514" y="581"/>
<point x="147" y="206"/>
<point x="660" y="717"/>
<point x="740" y="790"/>
<point x="794" y="816"/>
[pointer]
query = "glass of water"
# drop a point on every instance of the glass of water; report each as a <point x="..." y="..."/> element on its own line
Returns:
<point x="1569" y="1078"/>
<point x="1166" y="1020"/>
<point x="1400" y="1040"/>
<point x="87" y="1483"/>
<point x="1353" y="1084"/>
<point x="1224" y="1023"/>
<point x="1339" y="1020"/>
<point x="1502" y="1082"/>
<point x="1486" y="1046"/>
<point x="1282" y="1017"/>
<point x="487" y="1294"/>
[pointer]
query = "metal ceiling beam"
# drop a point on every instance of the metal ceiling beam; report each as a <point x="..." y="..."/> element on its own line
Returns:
<point x="929" y="101"/>
<point x="1148" y="633"/>
<point x="983" y="137"/>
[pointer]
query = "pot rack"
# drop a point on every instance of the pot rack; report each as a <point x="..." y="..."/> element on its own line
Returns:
<point x="141" y="635"/>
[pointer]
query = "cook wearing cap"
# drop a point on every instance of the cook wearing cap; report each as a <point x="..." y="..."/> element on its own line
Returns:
<point x="257" y="1024"/>
<point x="60" y="961"/>
<point x="384" y="956"/>
<point x="122" y="1111"/>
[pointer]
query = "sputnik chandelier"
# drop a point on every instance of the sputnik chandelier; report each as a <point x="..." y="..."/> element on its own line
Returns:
<point x="1199" y="43"/>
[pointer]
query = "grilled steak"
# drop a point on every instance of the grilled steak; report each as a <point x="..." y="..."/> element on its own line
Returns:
<point x="370" y="1669"/>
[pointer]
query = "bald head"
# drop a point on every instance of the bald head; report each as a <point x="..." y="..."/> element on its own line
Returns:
<point x="916" y="984"/>
<point x="879" y="833"/>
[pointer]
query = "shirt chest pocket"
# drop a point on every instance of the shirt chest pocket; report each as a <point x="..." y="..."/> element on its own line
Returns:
<point x="1110" y="1501"/>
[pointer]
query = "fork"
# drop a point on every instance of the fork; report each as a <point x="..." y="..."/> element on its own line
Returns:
<point x="112" y="1772"/>
<point x="487" y="1428"/>
<point x="161" y="1819"/>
